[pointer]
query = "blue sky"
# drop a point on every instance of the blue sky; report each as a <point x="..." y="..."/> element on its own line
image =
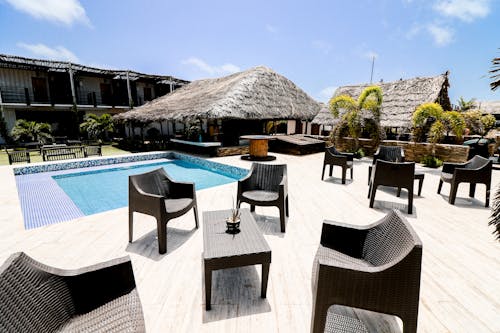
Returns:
<point x="319" y="45"/>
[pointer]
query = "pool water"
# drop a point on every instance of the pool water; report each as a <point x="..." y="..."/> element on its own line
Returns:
<point x="101" y="190"/>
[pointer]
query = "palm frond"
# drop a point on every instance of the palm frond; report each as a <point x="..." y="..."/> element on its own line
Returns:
<point x="495" y="214"/>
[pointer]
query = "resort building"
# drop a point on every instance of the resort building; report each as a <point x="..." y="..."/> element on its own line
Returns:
<point x="48" y="91"/>
<point x="255" y="101"/>
<point x="400" y="99"/>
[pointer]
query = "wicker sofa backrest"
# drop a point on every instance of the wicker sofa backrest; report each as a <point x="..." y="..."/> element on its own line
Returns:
<point x="477" y="162"/>
<point x="390" y="153"/>
<point x="31" y="299"/>
<point x="388" y="240"/>
<point x="154" y="182"/>
<point x="267" y="177"/>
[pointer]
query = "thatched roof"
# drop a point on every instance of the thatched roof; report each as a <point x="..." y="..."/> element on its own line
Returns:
<point x="491" y="107"/>
<point x="258" y="93"/>
<point x="9" y="61"/>
<point x="400" y="99"/>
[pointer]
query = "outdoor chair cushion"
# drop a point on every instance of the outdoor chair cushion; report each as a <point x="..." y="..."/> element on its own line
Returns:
<point x="175" y="205"/>
<point x="258" y="195"/>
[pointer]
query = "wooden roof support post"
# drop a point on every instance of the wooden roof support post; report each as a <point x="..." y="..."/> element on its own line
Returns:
<point x="72" y="83"/>
<point x="129" y="92"/>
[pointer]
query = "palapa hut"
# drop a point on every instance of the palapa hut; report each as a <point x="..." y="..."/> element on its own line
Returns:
<point x="230" y="106"/>
<point x="400" y="99"/>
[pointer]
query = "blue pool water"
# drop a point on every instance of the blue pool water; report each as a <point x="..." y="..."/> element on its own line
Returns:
<point x="101" y="190"/>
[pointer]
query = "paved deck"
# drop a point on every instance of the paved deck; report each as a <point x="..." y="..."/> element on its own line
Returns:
<point x="461" y="264"/>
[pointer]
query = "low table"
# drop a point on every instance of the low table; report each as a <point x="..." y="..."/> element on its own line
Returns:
<point x="222" y="250"/>
<point x="258" y="148"/>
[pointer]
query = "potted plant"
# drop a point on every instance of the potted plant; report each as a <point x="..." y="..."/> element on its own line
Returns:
<point x="233" y="221"/>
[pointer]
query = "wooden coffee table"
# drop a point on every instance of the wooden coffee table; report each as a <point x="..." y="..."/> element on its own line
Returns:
<point x="222" y="250"/>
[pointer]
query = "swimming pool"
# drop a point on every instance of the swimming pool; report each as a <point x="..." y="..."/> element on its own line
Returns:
<point x="101" y="190"/>
<point x="56" y="192"/>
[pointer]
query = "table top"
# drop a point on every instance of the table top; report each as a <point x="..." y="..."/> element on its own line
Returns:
<point x="258" y="137"/>
<point x="219" y="244"/>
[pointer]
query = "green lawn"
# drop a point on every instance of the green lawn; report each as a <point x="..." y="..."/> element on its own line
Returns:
<point x="107" y="150"/>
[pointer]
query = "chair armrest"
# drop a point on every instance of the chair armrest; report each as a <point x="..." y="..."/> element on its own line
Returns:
<point x="283" y="187"/>
<point x="350" y="156"/>
<point x="345" y="238"/>
<point x="450" y="167"/>
<point x="243" y="183"/>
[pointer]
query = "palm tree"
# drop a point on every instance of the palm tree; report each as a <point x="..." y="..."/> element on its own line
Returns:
<point x="98" y="127"/>
<point x="495" y="214"/>
<point x="495" y="74"/>
<point x="465" y="105"/>
<point x="25" y="130"/>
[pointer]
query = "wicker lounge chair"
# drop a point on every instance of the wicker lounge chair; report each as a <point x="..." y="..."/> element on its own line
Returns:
<point x="39" y="298"/>
<point x="265" y="185"/>
<point x="375" y="267"/>
<point x="394" y="174"/>
<point x="154" y="193"/>
<point x="386" y="153"/>
<point x="475" y="171"/>
<point x="334" y="157"/>
<point x="21" y="156"/>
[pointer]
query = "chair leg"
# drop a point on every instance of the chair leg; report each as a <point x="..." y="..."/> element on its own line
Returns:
<point x="331" y="170"/>
<point x="399" y="192"/>
<point x="409" y="324"/>
<point x="162" y="236"/>
<point x="369" y="174"/>
<point x="440" y="186"/>
<point x="420" y="183"/>
<point x="343" y="174"/>
<point x="351" y="172"/>
<point x="286" y="207"/>
<point x="372" y="194"/>
<point x="453" y="193"/>
<point x="487" y="204"/>
<point x="472" y="189"/>
<point x="410" y="200"/>
<point x="319" y="313"/>
<point x="252" y="208"/>
<point x="282" y="217"/>
<point x="130" y="225"/>
<point x="195" y="211"/>
<point x="323" y="173"/>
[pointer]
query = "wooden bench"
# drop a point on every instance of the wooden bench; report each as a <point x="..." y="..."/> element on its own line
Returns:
<point x="62" y="153"/>
<point x="20" y="156"/>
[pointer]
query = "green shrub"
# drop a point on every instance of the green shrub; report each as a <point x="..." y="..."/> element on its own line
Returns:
<point x="431" y="161"/>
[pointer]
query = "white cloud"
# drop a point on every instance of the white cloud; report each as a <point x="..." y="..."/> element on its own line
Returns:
<point x="209" y="69"/>
<point x="370" y="55"/>
<point x="322" y="45"/>
<point x="326" y="93"/>
<point x="271" y="28"/>
<point x="55" y="53"/>
<point x="59" y="11"/>
<point x="465" y="10"/>
<point x="442" y="35"/>
<point x="414" y="31"/>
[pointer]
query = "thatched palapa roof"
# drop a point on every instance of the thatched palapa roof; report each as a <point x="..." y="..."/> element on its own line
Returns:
<point x="491" y="107"/>
<point x="257" y="93"/>
<point x="400" y="99"/>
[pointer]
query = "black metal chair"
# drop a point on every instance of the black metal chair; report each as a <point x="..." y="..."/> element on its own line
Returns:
<point x="393" y="174"/>
<point x="386" y="153"/>
<point x="334" y="157"/>
<point x="265" y="185"/>
<point x="38" y="298"/>
<point x="156" y="194"/>
<point x="375" y="267"/>
<point x="475" y="171"/>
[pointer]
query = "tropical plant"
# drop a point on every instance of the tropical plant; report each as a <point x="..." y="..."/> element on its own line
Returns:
<point x="31" y="131"/>
<point x="353" y="119"/>
<point x="465" y="105"/>
<point x="454" y="121"/>
<point x="431" y="161"/>
<point x="4" y="133"/>
<point x="495" y="214"/>
<point x="495" y="74"/>
<point x="98" y="127"/>
<point x="436" y="132"/>
<point x="423" y="118"/>
<point x="477" y="123"/>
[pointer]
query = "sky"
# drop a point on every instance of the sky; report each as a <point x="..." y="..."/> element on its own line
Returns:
<point x="319" y="45"/>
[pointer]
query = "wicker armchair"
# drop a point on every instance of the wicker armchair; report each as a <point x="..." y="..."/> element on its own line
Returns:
<point x="475" y="171"/>
<point x="334" y="157"/>
<point x="20" y="156"/>
<point x="394" y="174"/>
<point x="375" y="267"/>
<point x="154" y="193"/>
<point x="39" y="298"/>
<point x="386" y="153"/>
<point x="265" y="185"/>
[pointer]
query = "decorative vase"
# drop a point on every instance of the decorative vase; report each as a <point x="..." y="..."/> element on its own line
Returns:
<point x="233" y="227"/>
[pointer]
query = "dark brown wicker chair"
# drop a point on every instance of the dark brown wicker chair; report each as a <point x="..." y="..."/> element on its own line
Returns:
<point x="334" y="157"/>
<point x="386" y="153"/>
<point x="475" y="171"/>
<point x="265" y="185"/>
<point x="394" y="174"/>
<point x="38" y="298"/>
<point x="154" y="193"/>
<point x="19" y="156"/>
<point x="375" y="267"/>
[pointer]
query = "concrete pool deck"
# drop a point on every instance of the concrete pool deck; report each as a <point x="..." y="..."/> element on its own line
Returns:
<point x="460" y="271"/>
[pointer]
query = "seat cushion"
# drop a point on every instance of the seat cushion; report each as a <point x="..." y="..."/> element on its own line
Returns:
<point x="446" y="177"/>
<point x="123" y="314"/>
<point x="260" y="195"/>
<point x="175" y="205"/>
<point x="349" y="164"/>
